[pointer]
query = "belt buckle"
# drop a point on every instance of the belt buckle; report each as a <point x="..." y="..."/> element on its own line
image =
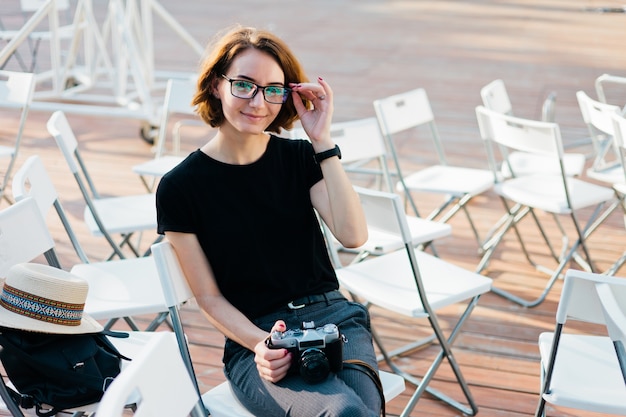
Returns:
<point x="295" y="307"/>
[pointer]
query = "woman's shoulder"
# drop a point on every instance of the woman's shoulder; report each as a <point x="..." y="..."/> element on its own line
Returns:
<point x="291" y="145"/>
<point x="186" y="167"/>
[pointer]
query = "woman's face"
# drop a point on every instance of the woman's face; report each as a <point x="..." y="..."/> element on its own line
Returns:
<point x="252" y="115"/>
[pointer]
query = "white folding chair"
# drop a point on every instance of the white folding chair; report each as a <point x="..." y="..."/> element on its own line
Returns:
<point x="495" y="97"/>
<point x="597" y="117"/>
<point x="585" y="370"/>
<point x="16" y="92"/>
<point x="414" y="284"/>
<point x="104" y="216"/>
<point x="220" y="400"/>
<point x="552" y="193"/>
<point x="412" y="110"/>
<point x="178" y="96"/>
<point x="361" y="141"/>
<point x="156" y="381"/>
<point x="119" y="288"/>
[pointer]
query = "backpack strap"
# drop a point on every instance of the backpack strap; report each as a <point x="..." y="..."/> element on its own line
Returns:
<point x="368" y="370"/>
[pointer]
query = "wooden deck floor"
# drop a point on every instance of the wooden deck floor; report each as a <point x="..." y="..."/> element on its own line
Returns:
<point x="368" y="49"/>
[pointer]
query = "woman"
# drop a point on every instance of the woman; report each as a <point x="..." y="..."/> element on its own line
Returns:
<point x="240" y="214"/>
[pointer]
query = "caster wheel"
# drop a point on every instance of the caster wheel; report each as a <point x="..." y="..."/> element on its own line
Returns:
<point x="148" y="133"/>
<point x="71" y="82"/>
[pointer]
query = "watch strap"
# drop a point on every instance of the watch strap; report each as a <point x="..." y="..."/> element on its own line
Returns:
<point x="319" y="157"/>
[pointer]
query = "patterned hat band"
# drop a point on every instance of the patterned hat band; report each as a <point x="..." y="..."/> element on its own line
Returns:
<point x="41" y="308"/>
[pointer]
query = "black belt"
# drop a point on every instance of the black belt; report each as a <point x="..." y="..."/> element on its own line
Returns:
<point x="317" y="298"/>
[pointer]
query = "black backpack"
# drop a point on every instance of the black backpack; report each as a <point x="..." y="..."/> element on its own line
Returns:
<point x="52" y="372"/>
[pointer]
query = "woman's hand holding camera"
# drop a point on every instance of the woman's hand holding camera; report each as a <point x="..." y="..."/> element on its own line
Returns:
<point x="272" y="364"/>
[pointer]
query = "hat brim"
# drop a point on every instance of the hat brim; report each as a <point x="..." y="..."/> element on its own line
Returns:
<point x="19" y="322"/>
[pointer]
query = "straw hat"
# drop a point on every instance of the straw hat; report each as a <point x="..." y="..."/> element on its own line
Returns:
<point x="41" y="298"/>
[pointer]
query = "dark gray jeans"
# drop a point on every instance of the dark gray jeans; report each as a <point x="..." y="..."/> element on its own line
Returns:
<point x="350" y="393"/>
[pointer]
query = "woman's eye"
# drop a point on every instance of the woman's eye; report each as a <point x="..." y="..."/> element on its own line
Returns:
<point x="243" y="85"/>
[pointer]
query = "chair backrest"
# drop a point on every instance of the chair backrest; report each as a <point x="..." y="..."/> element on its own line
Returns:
<point x="596" y="114"/>
<point x="173" y="281"/>
<point x="619" y="137"/>
<point x="612" y="300"/>
<point x="496" y="98"/>
<point x="579" y="300"/>
<point x="177" y="100"/>
<point x="543" y="138"/>
<point x="16" y="89"/>
<point x="405" y="111"/>
<point x="32" y="180"/>
<point x="59" y="127"/>
<point x="24" y="236"/>
<point x="597" y="117"/>
<point x="384" y="212"/>
<point x="160" y="379"/>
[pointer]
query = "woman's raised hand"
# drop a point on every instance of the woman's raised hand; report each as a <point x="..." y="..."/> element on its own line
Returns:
<point x="316" y="121"/>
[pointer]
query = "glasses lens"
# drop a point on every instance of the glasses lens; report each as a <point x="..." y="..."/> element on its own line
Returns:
<point x="275" y="94"/>
<point x="242" y="89"/>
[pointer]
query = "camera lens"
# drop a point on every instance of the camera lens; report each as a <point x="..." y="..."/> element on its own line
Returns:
<point x="314" y="366"/>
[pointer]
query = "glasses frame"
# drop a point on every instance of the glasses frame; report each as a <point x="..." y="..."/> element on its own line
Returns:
<point x="256" y="90"/>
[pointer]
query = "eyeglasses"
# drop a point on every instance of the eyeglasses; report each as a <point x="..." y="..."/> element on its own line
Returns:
<point x="274" y="94"/>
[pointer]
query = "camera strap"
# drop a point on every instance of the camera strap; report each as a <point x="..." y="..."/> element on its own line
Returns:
<point x="368" y="370"/>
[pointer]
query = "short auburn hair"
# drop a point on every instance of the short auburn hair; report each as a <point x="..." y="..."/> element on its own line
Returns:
<point x="221" y="53"/>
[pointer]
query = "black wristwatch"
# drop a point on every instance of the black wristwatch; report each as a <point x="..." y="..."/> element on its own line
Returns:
<point x="319" y="157"/>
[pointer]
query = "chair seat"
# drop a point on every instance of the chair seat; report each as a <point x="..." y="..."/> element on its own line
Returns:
<point x="595" y="383"/>
<point x="546" y="192"/>
<point x="124" y="214"/>
<point x="524" y="163"/>
<point x="159" y="166"/>
<point x="124" y="287"/>
<point x="446" y="179"/>
<point x="422" y="230"/>
<point x="221" y="401"/>
<point x="388" y="282"/>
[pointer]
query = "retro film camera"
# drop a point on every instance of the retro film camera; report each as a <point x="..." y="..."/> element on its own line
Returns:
<point x="316" y="351"/>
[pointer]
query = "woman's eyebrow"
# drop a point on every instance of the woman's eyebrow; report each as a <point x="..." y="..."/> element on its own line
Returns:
<point x="246" y="78"/>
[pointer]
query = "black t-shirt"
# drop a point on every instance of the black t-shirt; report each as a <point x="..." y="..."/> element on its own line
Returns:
<point x="255" y="223"/>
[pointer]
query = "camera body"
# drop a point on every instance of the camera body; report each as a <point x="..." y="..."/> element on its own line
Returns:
<point x="316" y="351"/>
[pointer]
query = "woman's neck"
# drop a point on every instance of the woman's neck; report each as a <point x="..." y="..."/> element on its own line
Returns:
<point x="236" y="149"/>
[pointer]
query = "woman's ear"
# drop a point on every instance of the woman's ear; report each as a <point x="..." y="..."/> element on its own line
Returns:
<point x="215" y="92"/>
